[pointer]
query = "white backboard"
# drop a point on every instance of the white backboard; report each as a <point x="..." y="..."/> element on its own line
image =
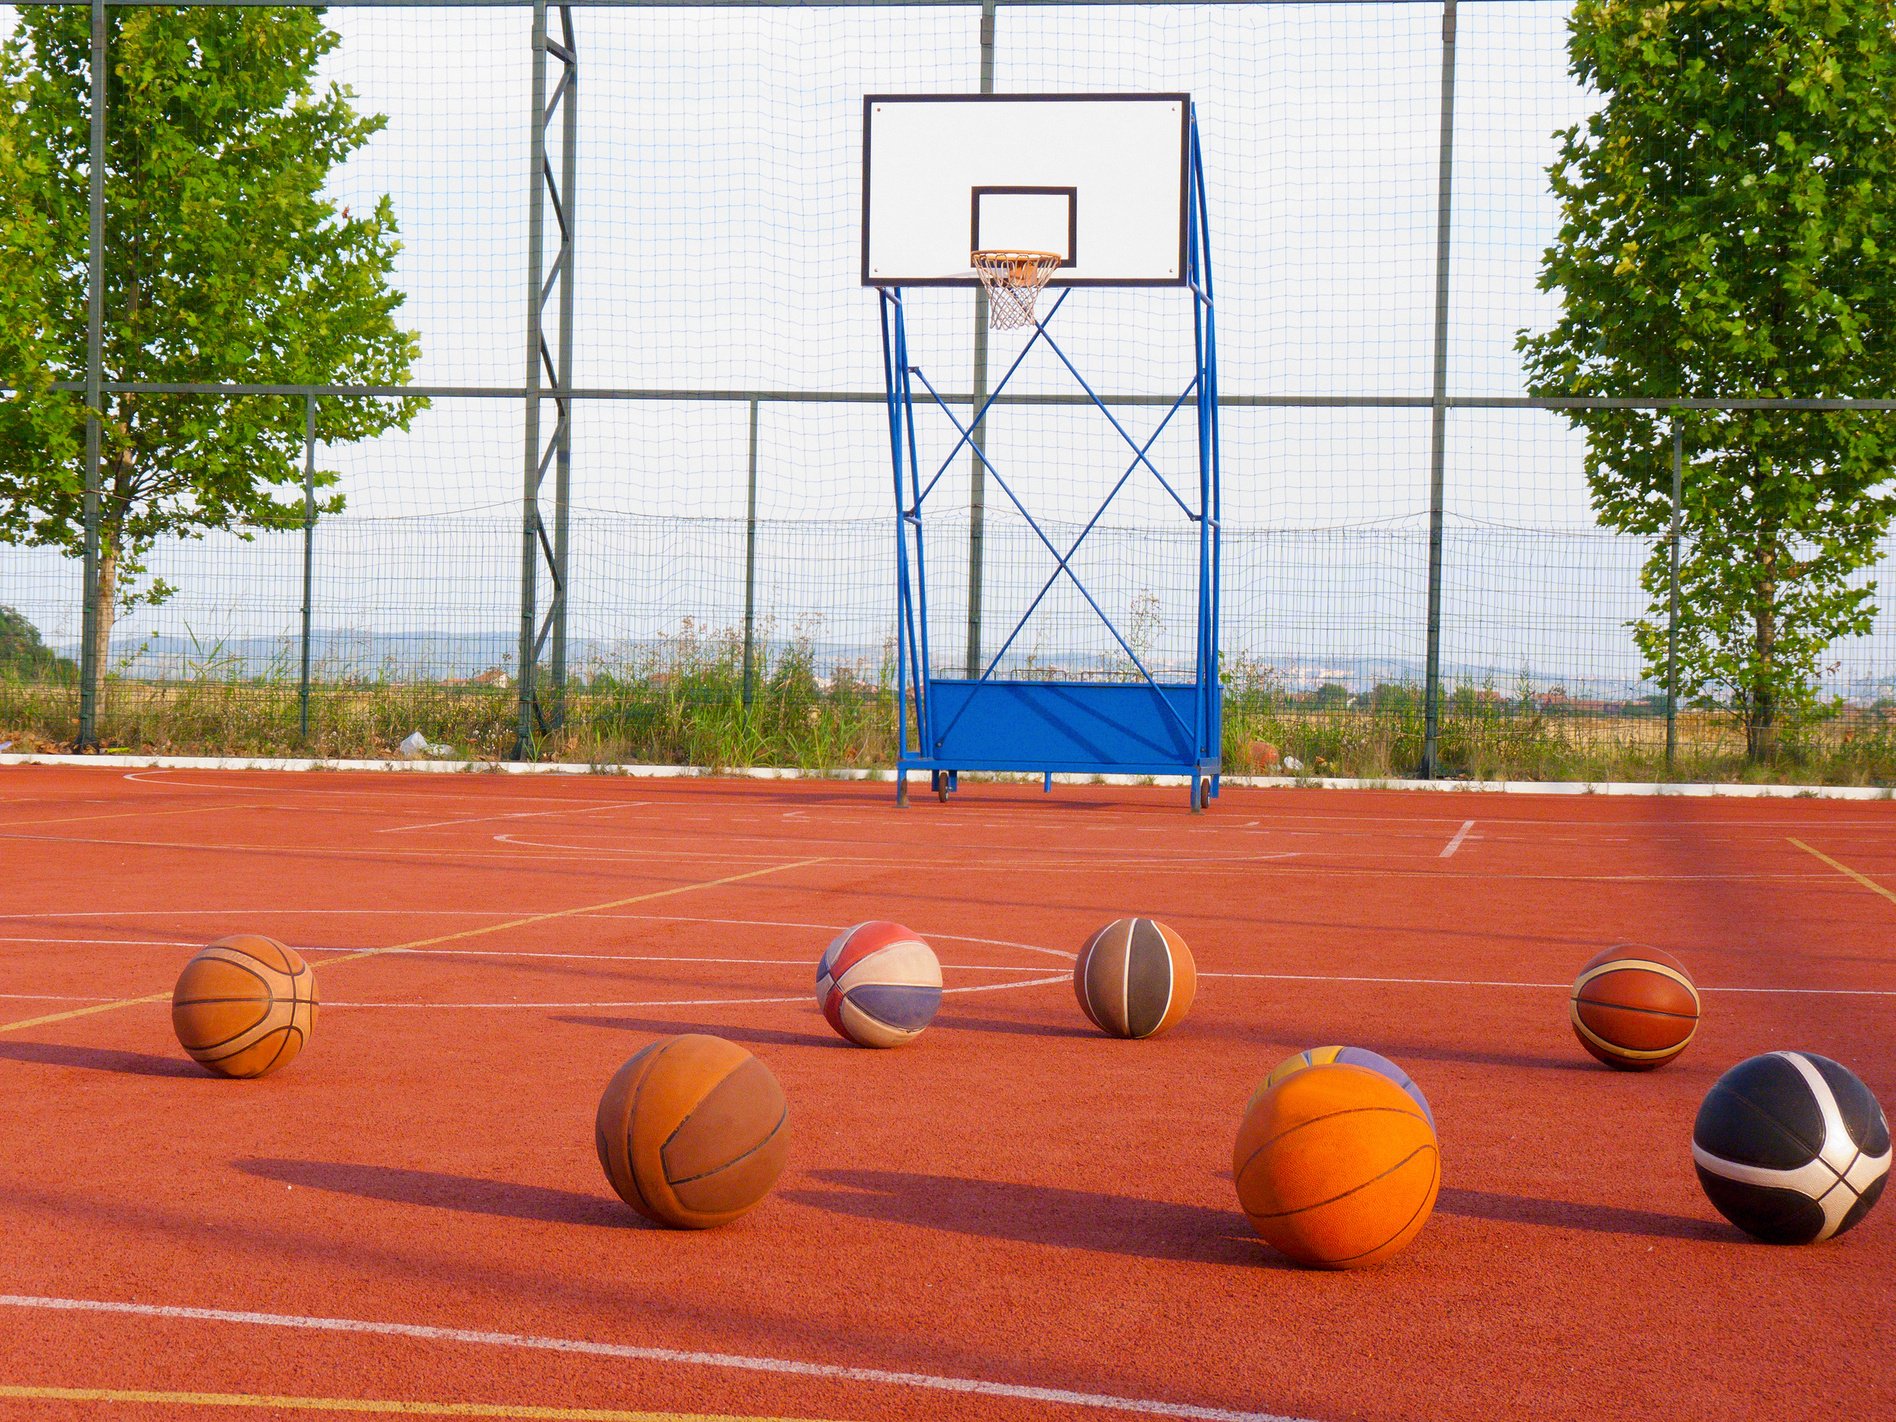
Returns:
<point x="1098" y="178"/>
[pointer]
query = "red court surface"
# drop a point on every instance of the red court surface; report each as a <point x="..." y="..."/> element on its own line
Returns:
<point x="1015" y="1217"/>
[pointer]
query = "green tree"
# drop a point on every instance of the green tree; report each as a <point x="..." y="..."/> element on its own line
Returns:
<point x="1729" y="229"/>
<point x="223" y="262"/>
<point x="24" y="655"/>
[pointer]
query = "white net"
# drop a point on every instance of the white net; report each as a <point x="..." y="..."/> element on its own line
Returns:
<point x="1013" y="280"/>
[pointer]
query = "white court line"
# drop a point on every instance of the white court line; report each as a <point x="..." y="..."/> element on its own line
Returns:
<point x="1159" y="861"/>
<point x="1460" y="835"/>
<point x="680" y="1002"/>
<point x="518" y="815"/>
<point x="1561" y="987"/>
<point x="528" y="956"/>
<point x="523" y="954"/>
<point x="111" y="942"/>
<point x="794" y="1367"/>
<point x="51" y="997"/>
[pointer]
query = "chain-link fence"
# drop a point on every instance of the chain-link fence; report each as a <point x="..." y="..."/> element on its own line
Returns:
<point x="683" y="514"/>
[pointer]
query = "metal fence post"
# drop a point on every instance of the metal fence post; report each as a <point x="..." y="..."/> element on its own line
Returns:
<point x="567" y="201"/>
<point x="89" y="658"/>
<point x="309" y="556"/>
<point x="1438" y="432"/>
<point x="977" y="434"/>
<point x="750" y="568"/>
<point x="1672" y="598"/>
<point x="547" y="364"/>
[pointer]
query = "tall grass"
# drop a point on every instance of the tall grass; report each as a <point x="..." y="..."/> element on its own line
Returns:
<point x="684" y="700"/>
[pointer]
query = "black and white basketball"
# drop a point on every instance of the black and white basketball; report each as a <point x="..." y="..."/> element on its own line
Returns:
<point x="1791" y="1147"/>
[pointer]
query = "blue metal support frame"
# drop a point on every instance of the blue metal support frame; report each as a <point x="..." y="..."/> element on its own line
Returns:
<point x="1142" y="727"/>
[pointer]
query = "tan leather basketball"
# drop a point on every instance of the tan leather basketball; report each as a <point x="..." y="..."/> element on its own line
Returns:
<point x="693" y="1131"/>
<point x="245" y="1006"/>
<point x="1634" y="1007"/>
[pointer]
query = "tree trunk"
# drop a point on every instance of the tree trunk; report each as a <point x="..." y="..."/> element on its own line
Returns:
<point x="1761" y="731"/>
<point x="108" y="595"/>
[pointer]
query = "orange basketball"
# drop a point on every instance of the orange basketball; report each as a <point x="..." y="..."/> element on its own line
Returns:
<point x="1634" y="1007"/>
<point x="1336" y="1166"/>
<point x="244" y="1006"/>
<point x="693" y="1131"/>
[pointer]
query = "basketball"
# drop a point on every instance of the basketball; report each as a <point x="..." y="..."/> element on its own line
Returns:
<point x="1336" y="1166"/>
<point x="1350" y="1056"/>
<point x="1634" y="1007"/>
<point x="1791" y="1147"/>
<point x="692" y="1131"/>
<point x="1264" y="756"/>
<point x="1135" y="978"/>
<point x="245" y="1006"/>
<point x="878" y="984"/>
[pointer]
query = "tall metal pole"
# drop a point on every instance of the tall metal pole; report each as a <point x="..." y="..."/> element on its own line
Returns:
<point x="750" y="568"/>
<point x="977" y="472"/>
<point x="530" y="528"/>
<point x="88" y="737"/>
<point x="1672" y="598"/>
<point x="309" y="556"/>
<point x="563" y="458"/>
<point x="1438" y="430"/>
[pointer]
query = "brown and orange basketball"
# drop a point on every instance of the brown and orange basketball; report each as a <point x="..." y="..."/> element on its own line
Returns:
<point x="1634" y="1007"/>
<point x="693" y="1131"/>
<point x="1135" y="978"/>
<point x="1336" y="1166"/>
<point x="244" y="1006"/>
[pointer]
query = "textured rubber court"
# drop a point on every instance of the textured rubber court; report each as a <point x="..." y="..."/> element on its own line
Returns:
<point x="1015" y="1217"/>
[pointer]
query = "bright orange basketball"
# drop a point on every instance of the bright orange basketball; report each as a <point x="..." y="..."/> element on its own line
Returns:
<point x="1634" y="1007"/>
<point x="693" y="1131"/>
<point x="245" y="1006"/>
<point x="1336" y="1166"/>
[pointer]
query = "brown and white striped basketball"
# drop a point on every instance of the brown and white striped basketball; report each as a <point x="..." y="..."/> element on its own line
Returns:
<point x="1634" y="1007"/>
<point x="244" y="1006"/>
<point x="1135" y="978"/>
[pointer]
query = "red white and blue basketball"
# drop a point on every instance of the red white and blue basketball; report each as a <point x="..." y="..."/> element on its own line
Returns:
<point x="1791" y="1147"/>
<point x="878" y="984"/>
<point x="1349" y="1056"/>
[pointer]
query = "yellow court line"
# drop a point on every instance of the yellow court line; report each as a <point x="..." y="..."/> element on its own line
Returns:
<point x="132" y="815"/>
<point x="574" y="912"/>
<point x="360" y="1404"/>
<point x="71" y="1013"/>
<point x="1868" y="883"/>
<point x="440" y="938"/>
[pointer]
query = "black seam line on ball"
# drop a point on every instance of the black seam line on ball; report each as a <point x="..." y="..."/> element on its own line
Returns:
<point x="631" y="1112"/>
<point x="1345" y="1111"/>
<point x="743" y="1155"/>
<point x="1782" y="1129"/>
<point x="1364" y="1185"/>
<point x="1425" y="1204"/>
<point x="1843" y="1175"/>
<point x="1644" y="1011"/>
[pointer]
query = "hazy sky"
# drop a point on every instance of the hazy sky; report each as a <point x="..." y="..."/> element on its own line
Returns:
<point x="718" y="213"/>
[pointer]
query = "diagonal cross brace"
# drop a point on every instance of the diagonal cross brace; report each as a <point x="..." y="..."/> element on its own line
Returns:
<point x="1091" y="524"/>
<point x="988" y="464"/>
<point x="988" y="404"/>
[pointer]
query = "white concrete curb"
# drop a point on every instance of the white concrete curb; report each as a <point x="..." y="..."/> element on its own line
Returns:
<point x="692" y="772"/>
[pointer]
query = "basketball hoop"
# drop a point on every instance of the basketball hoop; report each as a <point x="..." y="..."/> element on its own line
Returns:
<point x="1012" y="281"/>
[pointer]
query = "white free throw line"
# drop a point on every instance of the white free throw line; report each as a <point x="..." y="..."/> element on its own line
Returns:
<point x="1460" y="834"/>
<point x="1552" y="987"/>
<point x="573" y="809"/>
<point x="791" y="1366"/>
